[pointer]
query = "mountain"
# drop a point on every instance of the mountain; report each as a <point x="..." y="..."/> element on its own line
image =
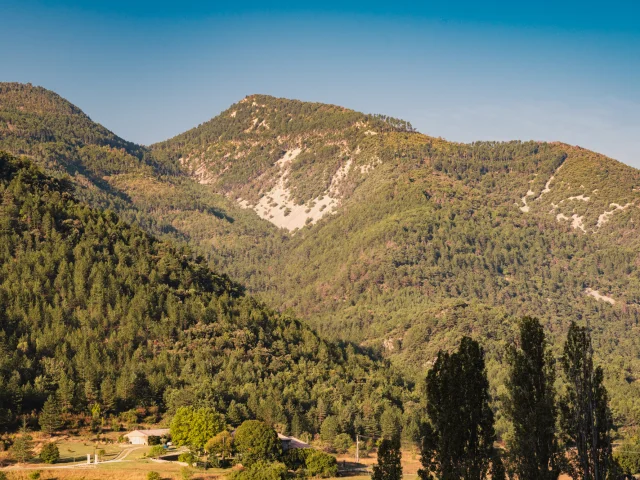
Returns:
<point x="401" y="242"/>
<point x="97" y="311"/>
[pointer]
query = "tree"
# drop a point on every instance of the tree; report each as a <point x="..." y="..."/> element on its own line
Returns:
<point x="50" y="418"/>
<point x="321" y="465"/>
<point x="628" y="455"/>
<point x="391" y="422"/>
<point x="342" y="443"/>
<point x="329" y="429"/>
<point x="221" y="444"/>
<point x="584" y="411"/>
<point x="22" y="448"/>
<point x="194" y="427"/>
<point x="531" y="407"/>
<point x="458" y="437"/>
<point x="389" y="460"/>
<point x="255" y="440"/>
<point x="49" y="453"/>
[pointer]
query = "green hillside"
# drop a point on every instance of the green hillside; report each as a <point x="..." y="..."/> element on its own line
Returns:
<point x="98" y="312"/>
<point x="398" y="241"/>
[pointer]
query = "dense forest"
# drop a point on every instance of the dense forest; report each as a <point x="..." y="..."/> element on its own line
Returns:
<point x="429" y="240"/>
<point x="97" y="312"/>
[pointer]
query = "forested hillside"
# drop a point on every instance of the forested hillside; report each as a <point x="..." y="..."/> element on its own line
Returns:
<point x="98" y="312"/>
<point x="380" y="235"/>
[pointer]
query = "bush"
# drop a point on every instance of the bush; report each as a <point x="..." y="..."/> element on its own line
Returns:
<point x="185" y="473"/>
<point x="153" y="476"/>
<point x="35" y="475"/>
<point x="49" y="453"/>
<point x="628" y="455"/>
<point x="188" y="457"/>
<point x="262" y="470"/>
<point x="323" y="465"/>
<point x="156" y="451"/>
<point x="296" y="458"/>
<point x="154" y="440"/>
<point x="3" y="476"/>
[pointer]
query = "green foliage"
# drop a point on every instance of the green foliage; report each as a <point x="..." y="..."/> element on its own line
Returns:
<point x="35" y="475"/>
<point x="185" y="473"/>
<point x="585" y="417"/>
<point x="49" y="453"/>
<point x="342" y="443"/>
<point x="296" y="458"/>
<point x="188" y="457"/>
<point x="329" y="429"/>
<point x="628" y="455"/>
<point x="458" y="439"/>
<point x="106" y="300"/>
<point x="153" y="476"/>
<point x="221" y="444"/>
<point x="321" y="465"/>
<point x="195" y="426"/>
<point x="256" y="441"/>
<point x="22" y="448"/>
<point x="531" y="405"/>
<point x="389" y="465"/>
<point x="156" y="451"/>
<point x="262" y="470"/>
<point x="50" y="418"/>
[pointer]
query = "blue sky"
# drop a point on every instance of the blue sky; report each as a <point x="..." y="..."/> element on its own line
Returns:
<point x="567" y="71"/>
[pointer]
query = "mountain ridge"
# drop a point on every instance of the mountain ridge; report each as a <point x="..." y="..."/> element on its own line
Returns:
<point x="428" y="239"/>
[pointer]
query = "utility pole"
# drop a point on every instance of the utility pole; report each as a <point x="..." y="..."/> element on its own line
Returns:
<point x="357" y="448"/>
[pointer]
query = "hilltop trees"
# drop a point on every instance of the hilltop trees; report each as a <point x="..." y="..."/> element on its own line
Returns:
<point x="531" y="405"/>
<point x="458" y="437"/>
<point x="585" y="415"/>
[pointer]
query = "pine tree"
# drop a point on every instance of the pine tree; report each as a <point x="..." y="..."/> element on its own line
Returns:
<point x="22" y="448"/>
<point x="458" y="438"/>
<point x="389" y="465"/>
<point x="530" y="405"/>
<point x="584" y="411"/>
<point x="50" y="418"/>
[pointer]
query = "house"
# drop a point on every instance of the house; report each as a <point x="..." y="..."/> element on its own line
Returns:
<point x="141" y="437"/>
<point x="291" y="442"/>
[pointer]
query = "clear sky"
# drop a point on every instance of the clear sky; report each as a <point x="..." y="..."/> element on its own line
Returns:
<point x="463" y="70"/>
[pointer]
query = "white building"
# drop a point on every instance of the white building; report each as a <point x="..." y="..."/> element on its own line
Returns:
<point x="141" y="437"/>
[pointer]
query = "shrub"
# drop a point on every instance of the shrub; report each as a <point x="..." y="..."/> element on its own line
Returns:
<point x="188" y="457"/>
<point x="153" y="476"/>
<point x="35" y="475"/>
<point x="3" y="476"/>
<point x="156" y="451"/>
<point x="154" y="440"/>
<point x="185" y="473"/>
<point x="49" y="453"/>
<point x="262" y="470"/>
<point x="296" y="458"/>
<point x="320" y="464"/>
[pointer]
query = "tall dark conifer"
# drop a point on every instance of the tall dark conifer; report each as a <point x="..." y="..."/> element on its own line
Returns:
<point x="389" y="465"/>
<point x="531" y="407"/>
<point x="458" y="438"/>
<point x="585" y="415"/>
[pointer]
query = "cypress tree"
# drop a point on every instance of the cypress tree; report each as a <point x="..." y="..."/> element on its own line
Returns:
<point x="584" y="411"/>
<point x="458" y="437"/>
<point x="531" y="407"/>
<point x="389" y="460"/>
